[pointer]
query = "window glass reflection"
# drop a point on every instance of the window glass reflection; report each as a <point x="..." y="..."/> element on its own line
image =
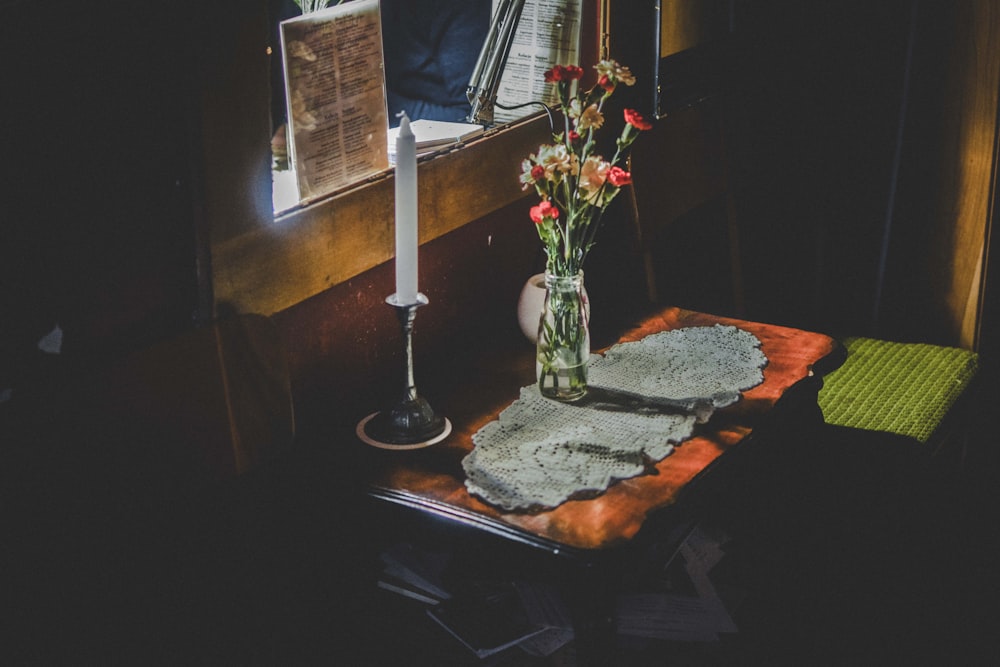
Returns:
<point x="430" y="50"/>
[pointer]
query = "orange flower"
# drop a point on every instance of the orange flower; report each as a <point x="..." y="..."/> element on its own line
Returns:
<point x="593" y="173"/>
<point x="589" y="118"/>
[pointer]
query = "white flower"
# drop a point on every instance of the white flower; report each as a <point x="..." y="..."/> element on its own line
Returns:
<point x="617" y="73"/>
<point x="557" y="160"/>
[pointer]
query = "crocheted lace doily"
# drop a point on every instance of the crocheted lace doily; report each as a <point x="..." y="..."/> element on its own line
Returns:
<point x="644" y="397"/>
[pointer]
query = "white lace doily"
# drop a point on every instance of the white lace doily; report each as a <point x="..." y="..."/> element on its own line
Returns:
<point x="644" y="398"/>
<point x="696" y="368"/>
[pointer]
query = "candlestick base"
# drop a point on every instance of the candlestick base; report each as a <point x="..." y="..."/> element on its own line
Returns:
<point x="411" y="423"/>
<point x="407" y="425"/>
<point x="403" y="307"/>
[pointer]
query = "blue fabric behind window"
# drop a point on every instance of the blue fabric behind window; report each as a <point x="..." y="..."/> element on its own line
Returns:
<point x="431" y="48"/>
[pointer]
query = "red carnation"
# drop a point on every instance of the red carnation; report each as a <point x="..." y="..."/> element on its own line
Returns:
<point x="537" y="172"/>
<point x="619" y="177"/>
<point x="635" y="119"/>
<point x="544" y="210"/>
<point x="606" y="83"/>
<point x="563" y="73"/>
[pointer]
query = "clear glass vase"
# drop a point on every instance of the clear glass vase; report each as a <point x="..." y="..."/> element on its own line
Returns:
<point x="563" y="345"/>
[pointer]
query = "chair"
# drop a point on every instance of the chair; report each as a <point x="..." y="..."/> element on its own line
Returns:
<point x="680" y="167"/>
<point x="915" y="390"/>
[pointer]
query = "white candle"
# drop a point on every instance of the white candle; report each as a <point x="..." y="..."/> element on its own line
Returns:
<point x="406" y="214"/>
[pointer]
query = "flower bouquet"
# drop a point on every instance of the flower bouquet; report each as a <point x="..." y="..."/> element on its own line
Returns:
<point x="575" y="184"/>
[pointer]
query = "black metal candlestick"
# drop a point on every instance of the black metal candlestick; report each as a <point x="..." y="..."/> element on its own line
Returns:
<point x="411" y="423"/>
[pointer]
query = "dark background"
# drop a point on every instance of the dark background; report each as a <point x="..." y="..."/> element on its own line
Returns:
<point x="99" y="232"/>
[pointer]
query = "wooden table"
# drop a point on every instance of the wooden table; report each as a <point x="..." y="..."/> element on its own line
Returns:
<point x="591" y="549"/>
<point x="431" y="480"/>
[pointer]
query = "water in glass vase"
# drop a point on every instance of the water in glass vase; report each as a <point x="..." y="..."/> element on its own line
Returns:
<point x="563" y="383"/>
<point x="563" y="346"/>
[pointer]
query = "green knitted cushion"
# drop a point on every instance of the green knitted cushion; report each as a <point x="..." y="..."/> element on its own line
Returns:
<point x="904" y="388"/>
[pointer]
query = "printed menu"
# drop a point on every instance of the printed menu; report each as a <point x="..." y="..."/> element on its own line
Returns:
<point x="548" y="34"/>
<point x="335" y="97"/>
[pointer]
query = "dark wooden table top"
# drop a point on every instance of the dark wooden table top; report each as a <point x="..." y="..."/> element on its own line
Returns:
<point x="432" y="479"/>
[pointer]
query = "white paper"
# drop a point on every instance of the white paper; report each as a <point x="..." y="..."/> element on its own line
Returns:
<point x="707" y="595"/>
<point x="51" y="343"/>
<point x="701" y="551"/>
<point x="418" y="568"/>
<point x="406" y="591"/>
<point x="666" y="616"/>
<point x="544" y="609"/>
<point x="437" y="133"/>
<point x="548" y="34"/>
<point x="670" y="616"/>
<point x="487" y="619"/>
<point x="285" y="192"/>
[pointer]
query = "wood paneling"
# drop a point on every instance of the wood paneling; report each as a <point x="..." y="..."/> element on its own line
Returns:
<point x="966" y="186"/>
<point x="275" y="266"/>
<point x="936" y="251"/>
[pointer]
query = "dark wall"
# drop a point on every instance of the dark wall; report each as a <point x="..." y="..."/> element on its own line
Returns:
<point x="813" y="94"/>
<point x="97" y="223"/>
<point x="816" y="97"/>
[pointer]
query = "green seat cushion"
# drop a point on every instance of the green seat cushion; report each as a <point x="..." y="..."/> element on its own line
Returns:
<point x="903" y="388"/>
